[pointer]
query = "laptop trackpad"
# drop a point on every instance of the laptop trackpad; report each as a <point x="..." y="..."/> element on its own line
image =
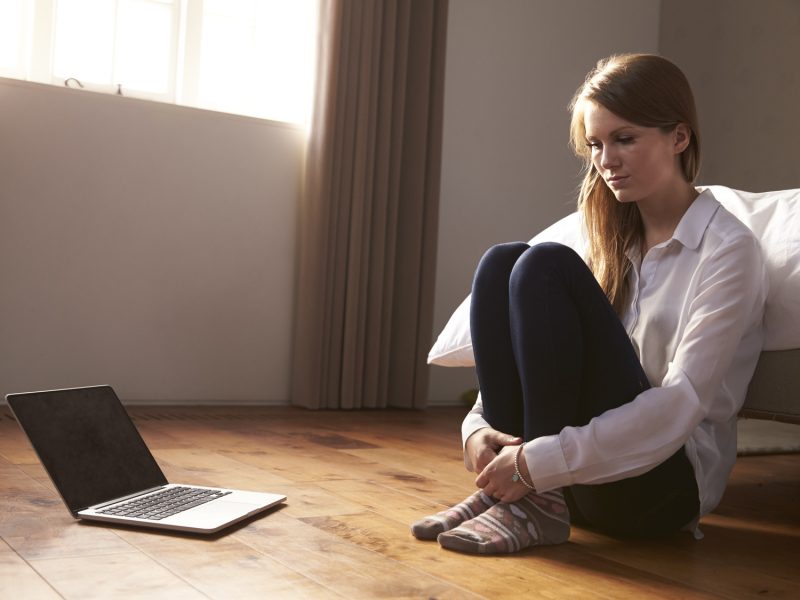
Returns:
<point x="213" y="514"/>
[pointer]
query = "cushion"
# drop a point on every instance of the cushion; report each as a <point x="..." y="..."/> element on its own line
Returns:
<point x="773" y="216"/>
<point x="775" y="219"/>
<point x="453" y="347"/>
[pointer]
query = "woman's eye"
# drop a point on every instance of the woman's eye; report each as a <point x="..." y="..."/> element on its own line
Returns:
<point x="593" y="145"/>
<point x="625" y="140"/>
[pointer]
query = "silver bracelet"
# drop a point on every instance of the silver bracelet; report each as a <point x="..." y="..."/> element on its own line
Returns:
<point x="517" y="476"/>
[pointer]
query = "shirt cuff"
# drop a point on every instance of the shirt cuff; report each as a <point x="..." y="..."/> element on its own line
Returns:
<point x="547" y="465"/>
<point x="472" y="423"/>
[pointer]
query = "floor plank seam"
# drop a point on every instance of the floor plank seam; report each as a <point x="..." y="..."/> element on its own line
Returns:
<point x="654" y="577"/>
<point x="291" y="568"/>
<point x="383" y="557"/>
<point x="165" y="567"/>
<point x="35" y="570"/>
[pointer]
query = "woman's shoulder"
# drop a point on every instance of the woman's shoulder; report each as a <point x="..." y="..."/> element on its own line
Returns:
<point x="726" y="228"/>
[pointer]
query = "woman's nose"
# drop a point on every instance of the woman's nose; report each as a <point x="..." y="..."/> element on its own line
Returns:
<point x="609" y="157"/>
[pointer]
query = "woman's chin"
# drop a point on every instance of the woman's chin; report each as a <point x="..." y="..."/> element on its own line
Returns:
<point x="624" y="196"/>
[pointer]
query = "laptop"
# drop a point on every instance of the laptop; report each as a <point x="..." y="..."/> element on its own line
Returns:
<point x="104" y="471"/>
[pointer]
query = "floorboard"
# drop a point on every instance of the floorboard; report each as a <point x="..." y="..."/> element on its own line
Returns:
<point x="354" y="481"/>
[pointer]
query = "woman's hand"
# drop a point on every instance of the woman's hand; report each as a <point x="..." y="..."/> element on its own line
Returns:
<point x="485" y="444"/>
<point x="495" y="480"/>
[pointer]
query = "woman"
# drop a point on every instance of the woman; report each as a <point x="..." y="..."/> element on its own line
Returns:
<point x="610" y="384"/>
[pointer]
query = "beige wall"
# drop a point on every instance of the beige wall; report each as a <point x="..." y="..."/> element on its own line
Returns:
<point x="512" y="67"/>
<point x="152" y="247"/>
<point x="144" y="245"/>
<point x="743" y="60"/>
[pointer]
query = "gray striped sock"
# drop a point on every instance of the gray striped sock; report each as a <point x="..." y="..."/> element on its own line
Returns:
<point x="431" y="526"/>
<point x="535" y="520"/>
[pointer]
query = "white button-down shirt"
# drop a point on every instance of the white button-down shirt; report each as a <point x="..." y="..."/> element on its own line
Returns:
<point x="695" y="320"/>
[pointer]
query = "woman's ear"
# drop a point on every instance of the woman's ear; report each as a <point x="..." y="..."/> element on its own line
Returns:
<point x="682" y="135"/>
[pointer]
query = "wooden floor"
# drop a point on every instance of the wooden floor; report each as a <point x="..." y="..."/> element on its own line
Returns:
<point x="354" y="482"/>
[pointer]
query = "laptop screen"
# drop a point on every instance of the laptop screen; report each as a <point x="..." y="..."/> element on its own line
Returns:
<point x="87" y="443"/>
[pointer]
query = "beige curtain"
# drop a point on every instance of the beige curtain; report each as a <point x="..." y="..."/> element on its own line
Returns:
<point x="369" y="213"/>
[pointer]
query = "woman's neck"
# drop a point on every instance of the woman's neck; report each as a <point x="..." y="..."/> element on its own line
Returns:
<point x="661" y="216"/>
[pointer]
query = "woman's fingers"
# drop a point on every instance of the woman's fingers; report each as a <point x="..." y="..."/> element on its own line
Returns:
<point x="485" y="456"/>
<point x="484" y="445"/>
<point x="499" y="439"/>
<point x="495" y="479"/>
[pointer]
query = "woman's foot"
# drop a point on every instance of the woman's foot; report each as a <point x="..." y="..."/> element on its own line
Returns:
<point x="535" y="520"/>
<point x="430" y="527"/>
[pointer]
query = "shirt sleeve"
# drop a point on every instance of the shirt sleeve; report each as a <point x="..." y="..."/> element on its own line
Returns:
<point x="633" y="438"/>
<point x="472" y="422"/>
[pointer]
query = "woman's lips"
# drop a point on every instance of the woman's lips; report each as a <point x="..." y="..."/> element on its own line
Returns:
<point x="617" y="181"/>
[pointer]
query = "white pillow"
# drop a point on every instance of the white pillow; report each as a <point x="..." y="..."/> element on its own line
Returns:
<point x="773" y="216"/>
<point x="775" y="219"/>
<point x="453" y="347"/>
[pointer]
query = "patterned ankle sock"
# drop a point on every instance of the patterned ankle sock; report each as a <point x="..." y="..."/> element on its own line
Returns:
<point x="430" y="527"/>
<point x="535" y="520"/>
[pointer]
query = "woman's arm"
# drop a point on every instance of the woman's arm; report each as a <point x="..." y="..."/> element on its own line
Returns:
<point x="631" y="439"/>
<point x="481" y="442"/>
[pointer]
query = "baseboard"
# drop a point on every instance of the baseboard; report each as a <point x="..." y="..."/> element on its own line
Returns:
<point x="174" y="402"/>
<point x="448" y="403"/>
<point x="752" y="413"/>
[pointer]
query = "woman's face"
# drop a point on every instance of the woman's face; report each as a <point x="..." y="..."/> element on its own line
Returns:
<point x="637" y="163"/>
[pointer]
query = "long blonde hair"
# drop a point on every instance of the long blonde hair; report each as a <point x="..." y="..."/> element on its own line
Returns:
<point x="649" y="91"/>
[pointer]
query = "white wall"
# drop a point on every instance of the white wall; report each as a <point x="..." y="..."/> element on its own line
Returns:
<point x="144" y="245"/>
<point x="507" y="172"/>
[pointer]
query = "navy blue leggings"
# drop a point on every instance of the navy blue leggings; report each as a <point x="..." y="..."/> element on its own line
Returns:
<point x="550" y="352"/>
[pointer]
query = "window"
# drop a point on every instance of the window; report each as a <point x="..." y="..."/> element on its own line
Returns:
<point x="14" y="17"/>
<point x="252" y="57"/>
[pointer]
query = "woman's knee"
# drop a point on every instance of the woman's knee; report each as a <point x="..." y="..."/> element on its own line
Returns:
<point x="551" y="253"/>
<point x="499" y="260"/>
<point x="542" y="261"/>
<point x="507" y="253"/>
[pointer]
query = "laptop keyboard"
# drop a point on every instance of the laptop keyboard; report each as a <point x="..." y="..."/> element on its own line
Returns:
<point x="164" y="504"/>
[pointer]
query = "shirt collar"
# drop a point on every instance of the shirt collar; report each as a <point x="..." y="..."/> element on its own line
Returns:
<point x="695" y="220"/>
<point x="692" y="226"/>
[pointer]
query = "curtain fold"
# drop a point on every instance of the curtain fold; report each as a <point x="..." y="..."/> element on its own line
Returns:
<point x="369" y="210"/>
